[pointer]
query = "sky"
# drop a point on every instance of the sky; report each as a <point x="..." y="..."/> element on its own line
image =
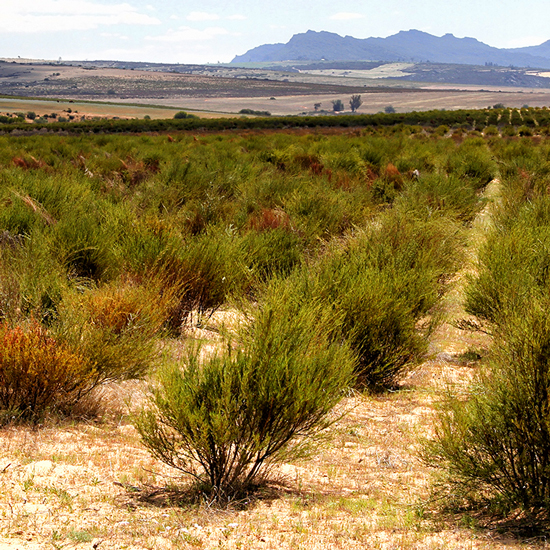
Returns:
<point x="212" y="31"/>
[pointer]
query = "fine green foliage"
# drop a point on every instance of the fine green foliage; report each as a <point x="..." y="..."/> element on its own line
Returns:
<point x="494" y="442"/>
<point x="253" y="112"/>
<point x="535" y="119"/>
<point x="513" y="265"/>
<point x="472" y="162"/>
<point x="438" y="195"/>
<point x="115" y="327"/>
<point x="382" y="286"/>
<point x="183" y="115"/>
<point x="111" y="241"/>
<point x="208" y="271"/>
<point x="337" y="105"/>
<point x="31" y="281"/>
<point x="355" y="102"/>
<point x="226" y="419"/>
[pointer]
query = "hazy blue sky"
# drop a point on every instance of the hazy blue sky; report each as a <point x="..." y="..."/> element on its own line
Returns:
<point x="209" y="31"/>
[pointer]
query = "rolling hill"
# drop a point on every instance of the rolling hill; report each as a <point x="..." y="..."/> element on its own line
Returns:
<point x="411" y="46"/>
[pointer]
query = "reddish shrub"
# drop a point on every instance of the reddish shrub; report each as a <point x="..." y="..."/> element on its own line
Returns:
<point x="393" y="175"/>
<point x="38" y="373"/>
<point x="29" y="163"/>
<point x="269" y="218"/>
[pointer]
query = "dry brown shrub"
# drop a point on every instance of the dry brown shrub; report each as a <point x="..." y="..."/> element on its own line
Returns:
<point x="37" y="372"/>
<point x="269" y="218"/>
<point x="128" y="305"/>
<point x="371" y="175"/>
<point x="195" y="223"/>
<point x="312" y="163"/>
<point x="28" y="163"/>
<point x="343" y="181"/>
<point x="391" y="173"/>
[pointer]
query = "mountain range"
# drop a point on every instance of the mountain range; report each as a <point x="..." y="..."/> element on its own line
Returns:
<point x="411" y="46"/>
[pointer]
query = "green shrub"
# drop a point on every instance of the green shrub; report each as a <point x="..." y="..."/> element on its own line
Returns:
<point x="472" y="161"/>
<point x="208" y="269"/>
<point x="445" y="195"/>
<point x="494" y="442"/>
<point x="31" y="281"/>
<point x="387" y="284"/>
<point x="269" y="253"/>
<point x="115" y="327"/>
<point x="525" y="131"/>
<point x="224" y="421"/>
<point x="183" y="114"/>
<point x="491" y="131"/>
<point x="382" y="286"/>
<point x="253" y="112"/>
<point x="514" y="264"/>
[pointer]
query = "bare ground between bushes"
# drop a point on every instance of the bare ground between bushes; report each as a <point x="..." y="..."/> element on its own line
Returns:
<point x="92" y="485"/>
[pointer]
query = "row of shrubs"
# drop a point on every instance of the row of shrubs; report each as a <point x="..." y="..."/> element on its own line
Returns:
<point x="470" y="119"/>
<point x="109" y="244"/>
<point x="494" y="440"/>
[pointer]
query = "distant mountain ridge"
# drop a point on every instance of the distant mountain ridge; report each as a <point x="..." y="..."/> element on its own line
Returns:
<point x="407" y="46"/>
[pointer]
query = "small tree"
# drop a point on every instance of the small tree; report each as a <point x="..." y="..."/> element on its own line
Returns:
<point x="355" y="102"/>
<point x="337" y="105"/>
<point x="183" y="114"/>
<point x="316" y="106"/>
<point x="389" y="109"/>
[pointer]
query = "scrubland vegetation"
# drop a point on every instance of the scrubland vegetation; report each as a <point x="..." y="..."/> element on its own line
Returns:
<point x="334" y="255"/>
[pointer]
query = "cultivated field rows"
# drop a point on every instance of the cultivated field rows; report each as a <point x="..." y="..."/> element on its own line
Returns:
<point x="125" y="252"/>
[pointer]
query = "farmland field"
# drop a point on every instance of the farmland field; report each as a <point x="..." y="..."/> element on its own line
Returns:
<point x="380" y="252"/>
<point x="228" y="90"/>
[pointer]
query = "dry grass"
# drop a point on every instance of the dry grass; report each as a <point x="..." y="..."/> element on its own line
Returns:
<point x="66" y="485"/>
<point x="81" y="109"/>
<point x="403" y="101"/>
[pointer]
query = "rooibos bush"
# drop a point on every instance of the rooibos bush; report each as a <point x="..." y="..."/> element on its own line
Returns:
<point x="495" y="441"/>
<point x="514" y="264"/>
<point x="381" y="285"/>
<point x="225" y="420"/>
<point x="37" y="372"/>
<point x="115" y="327"/>
<point x="208" y="270"/>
